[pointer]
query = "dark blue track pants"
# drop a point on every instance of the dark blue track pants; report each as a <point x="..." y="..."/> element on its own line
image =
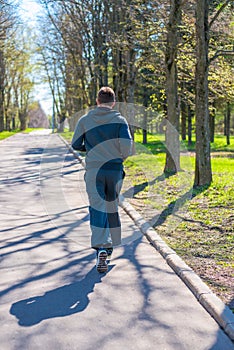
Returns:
<point x="103" y="188"/>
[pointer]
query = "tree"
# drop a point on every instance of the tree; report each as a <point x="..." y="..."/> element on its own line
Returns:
<point x="122" y="44"/>
<point x="203" y="174"/>
<point x="15" y="67"/>
<point x="227" y="123"/>
<point x="173" y="112"/>
<point x="221" y="83"/>
<point x="18" y="78"/>
<point x="6" y="23"/>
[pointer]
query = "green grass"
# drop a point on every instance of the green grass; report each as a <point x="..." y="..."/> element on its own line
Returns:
<point x="219" y="144"/>
<point x="67" y="135"/>
<point x="156" y="143"/>
<point x="196" y="223"/>
<point x="6" y="134"/>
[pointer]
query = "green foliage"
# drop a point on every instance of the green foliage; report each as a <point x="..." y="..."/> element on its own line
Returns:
<point x="18" y="78"/>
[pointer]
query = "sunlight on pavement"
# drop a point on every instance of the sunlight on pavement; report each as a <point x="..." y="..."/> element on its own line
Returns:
<point x="41" y="132"/>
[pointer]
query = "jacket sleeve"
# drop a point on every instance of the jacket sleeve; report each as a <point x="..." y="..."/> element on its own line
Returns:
<point x="125" y="140"/>
<point x="78" y="138"/>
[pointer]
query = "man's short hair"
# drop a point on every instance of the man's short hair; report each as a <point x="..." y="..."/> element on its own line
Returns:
<point x="106" y="95"/>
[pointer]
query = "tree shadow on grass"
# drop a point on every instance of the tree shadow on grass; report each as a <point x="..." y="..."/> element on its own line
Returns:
<point x="134" y="190"/>
<point x="175" y="205"/>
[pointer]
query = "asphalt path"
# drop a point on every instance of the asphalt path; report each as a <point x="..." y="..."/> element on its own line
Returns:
<point x="51" y="296"/>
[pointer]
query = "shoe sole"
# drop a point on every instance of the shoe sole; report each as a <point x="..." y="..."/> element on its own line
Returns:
<point x="102" y="266"/>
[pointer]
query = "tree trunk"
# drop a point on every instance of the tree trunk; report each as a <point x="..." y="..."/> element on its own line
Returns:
<point x="228" y="118"/>
<point x="203" y="174"/>
<point x="7" y="121"/>
<point x="183" y="120"/>
<point x="22" y="118"/>
<point x="13" y="123"/>
<point x="225" y="124"/>
<point x="172" y="130"/>
<point x="61" y="122"/>
<point x="190" y="114"/>
<point x="212" y="123"/>
<point x="2" y="73"/>
<point x="212" y="127"/>
<point x="144" y="129"/>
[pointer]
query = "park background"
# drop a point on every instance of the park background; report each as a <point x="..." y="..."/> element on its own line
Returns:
<point x="172" y="58"/>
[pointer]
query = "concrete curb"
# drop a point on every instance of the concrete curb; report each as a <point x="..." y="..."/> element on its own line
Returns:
<point x="214" y="305"/>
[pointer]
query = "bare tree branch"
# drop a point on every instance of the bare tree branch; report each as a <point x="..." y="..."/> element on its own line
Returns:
<point x="221" y="53"/>
<point x="224" y="5"/>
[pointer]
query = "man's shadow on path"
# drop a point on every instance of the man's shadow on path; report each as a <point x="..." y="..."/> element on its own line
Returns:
<point x="60" y="302"/>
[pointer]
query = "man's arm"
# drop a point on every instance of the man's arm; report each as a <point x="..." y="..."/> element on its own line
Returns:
<point x="125" y="140"/>
<point x="78" y="138"/>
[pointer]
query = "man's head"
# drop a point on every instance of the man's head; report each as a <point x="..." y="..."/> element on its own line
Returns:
<point x="106" y="96"/>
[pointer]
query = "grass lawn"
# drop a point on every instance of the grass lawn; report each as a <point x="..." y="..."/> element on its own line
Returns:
<point x="155" y="143"/>
<point x="6" y="134"/>
<point x="67" y="135"/>
<point x="197" y="224"/>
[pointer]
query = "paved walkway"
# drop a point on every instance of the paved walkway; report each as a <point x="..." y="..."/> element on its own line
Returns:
<point x="51" y="296"/>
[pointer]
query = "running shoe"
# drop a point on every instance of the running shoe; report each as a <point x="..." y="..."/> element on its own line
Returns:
<point x="101" y="265"/>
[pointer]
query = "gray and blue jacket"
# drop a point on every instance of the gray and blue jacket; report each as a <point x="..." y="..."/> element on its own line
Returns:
<point x="104" y="135"/>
